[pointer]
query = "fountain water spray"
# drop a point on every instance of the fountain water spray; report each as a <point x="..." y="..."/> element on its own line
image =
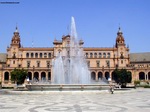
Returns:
<point x="72" y="68"/>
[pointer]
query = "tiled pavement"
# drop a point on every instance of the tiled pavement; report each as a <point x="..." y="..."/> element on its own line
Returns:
<point x="137" y="100"/>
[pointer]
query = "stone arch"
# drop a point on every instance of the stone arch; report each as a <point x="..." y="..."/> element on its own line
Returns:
<point x="93" y="75"/>
<point x="41" y="55"/>
<point x="32" y="55"/>
<point x="141" y="76"/>
<point x="100" y="75"/>
<point x="95" y="55"/>
<point x="36" y="55"/>
<point x="148" y="75"/>
<point x="27" y="55"/>
<point x="36" y="75"/>
<point x="30" y="75"/>
<point x="49" y="55"/>
<point x="6" y="76"/>
<point x="107" y="75"/>
<point x="43" y="75"/>
<point x="131" y="76"/>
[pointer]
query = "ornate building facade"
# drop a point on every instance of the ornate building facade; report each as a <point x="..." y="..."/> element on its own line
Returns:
<point x="101" y="61"/>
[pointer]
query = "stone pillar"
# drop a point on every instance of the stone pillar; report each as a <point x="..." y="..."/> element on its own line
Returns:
<point x="47" y="75"/>
<point x="96" y="78"/>
<point x="9" y="82"/>
<point x="52" y="73"/>
<point x="146" y="77"/>
<point x="2" y="77"/>
<point x="39" y="75"/>
<point x="32" y="75"/>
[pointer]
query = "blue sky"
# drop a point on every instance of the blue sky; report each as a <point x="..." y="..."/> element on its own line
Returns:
<point x="97" y="22"/>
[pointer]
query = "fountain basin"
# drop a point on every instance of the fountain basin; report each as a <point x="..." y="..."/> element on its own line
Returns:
<point x="67" y="87"/>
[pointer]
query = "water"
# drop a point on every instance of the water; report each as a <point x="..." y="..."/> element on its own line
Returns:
<point x="71" y="67"/>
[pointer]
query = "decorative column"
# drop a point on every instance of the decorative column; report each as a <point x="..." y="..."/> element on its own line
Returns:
<point x="96" y="73"/>
<point x="47" y="75"/>
<point x="9" y="82"/>
<point x="39" y="76"/>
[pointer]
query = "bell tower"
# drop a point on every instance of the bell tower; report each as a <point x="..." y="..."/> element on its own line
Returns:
<point x="120" y="39"/>
<point x="14" y="53"/>
<point x="122" y="50"/>
<point x="16" y="39"/>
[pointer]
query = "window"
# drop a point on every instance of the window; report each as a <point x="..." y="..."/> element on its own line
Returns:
<point x="38" y="63"/>
<point x="100" y="55"/>
<point x="107" y="63"/>
<point x="49" y="55"/>
<point x="121" y="56"/>
<point x="86" y="55"/>
<point x="48" y="64"/>
<point x="95" y="55"/>
<point x="45" y="55"/>
<point x="104" y="55"/>
<point x="28" y="64"/>
<point x="40" y="55"/>
<point x="36" y="55"/>
<point x="108" y="55"/>
<point x="14" y="55"/>
<point x="91" y="55"/>
<point x="32" y="55"/>
<point x="98" y="63"/>
<point x="27" y="55"/>
<point x="13" y="62"/>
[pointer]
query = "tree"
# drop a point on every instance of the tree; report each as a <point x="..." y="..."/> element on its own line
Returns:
<point x="122" y="77"/>
<point x="18" y="75"/>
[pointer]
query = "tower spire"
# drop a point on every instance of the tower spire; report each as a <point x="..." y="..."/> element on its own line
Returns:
<point x="16" y="28"/>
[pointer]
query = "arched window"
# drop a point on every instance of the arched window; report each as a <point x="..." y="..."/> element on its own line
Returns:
<point x="41" y="55"/>
<point x="36" y="55"/>
<point x="49" y="55"/>
<point x="32" y="55"/>
<point x="100" y="55"/>
<point x="104" y="55"/>
<point x="91" y="55"/>
<point x="27" y="55"/>
<point x="45" y="55"/>
<point x="95" y="55"/>
<point x="86" y="55"/>
<point x="108" y="55"/>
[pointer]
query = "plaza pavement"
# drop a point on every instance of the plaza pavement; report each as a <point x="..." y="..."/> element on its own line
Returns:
<point x="136" y="100"/>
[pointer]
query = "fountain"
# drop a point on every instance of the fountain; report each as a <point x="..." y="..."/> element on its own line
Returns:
<point x="70" y="69"/>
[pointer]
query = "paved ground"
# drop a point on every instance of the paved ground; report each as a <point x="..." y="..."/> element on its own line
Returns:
<point x="135" y="101"/>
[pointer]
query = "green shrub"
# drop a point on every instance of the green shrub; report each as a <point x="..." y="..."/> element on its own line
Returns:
<point x="136" y="82"/>
<point x="146" y="86"/>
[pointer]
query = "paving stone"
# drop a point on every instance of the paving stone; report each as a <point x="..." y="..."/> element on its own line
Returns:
<point x="131" y="101"/>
